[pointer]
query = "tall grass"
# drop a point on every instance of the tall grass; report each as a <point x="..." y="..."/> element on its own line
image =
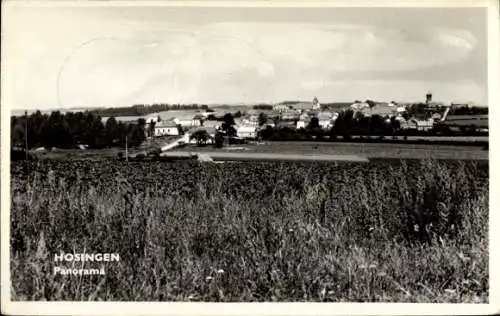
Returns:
<point x="406" y="233"/>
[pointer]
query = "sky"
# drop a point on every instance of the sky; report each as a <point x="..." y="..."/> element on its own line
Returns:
<point x="64" y="57"/>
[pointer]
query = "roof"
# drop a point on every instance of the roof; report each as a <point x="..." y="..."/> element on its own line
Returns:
<point x="244" y="128"/>
<point x="210" y="130"/>
<point x="165" y="124"/>
<point x="324" y="115"/>
<point x="381" y="110"/>
<point x="360" y="105"/>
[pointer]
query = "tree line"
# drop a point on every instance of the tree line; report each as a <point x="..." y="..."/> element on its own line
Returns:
<point x="347" y="123"/>
<point x="74" y="128"/>
<point x="145" y="109"/>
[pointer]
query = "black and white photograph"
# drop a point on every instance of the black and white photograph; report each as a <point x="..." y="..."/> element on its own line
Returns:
<point x="246" y="153"/>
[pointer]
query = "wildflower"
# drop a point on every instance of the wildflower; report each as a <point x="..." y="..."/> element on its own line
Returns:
<point x="290" y="230"/>
<point x="330" y="292"/>
<point x="451" y="291"/>
<point x="208" y="278"/>
<point x="415" y="228"/>
<point x="220" y="271"/>
<point x="371" y="229"/>
<point x="463" y="257"/>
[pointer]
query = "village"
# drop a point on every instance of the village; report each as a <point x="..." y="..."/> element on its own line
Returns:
<point x="299" y="115"/>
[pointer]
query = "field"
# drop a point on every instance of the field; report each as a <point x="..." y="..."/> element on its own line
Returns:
<point x="368" y="150"/>
<point x="398" y="231"/>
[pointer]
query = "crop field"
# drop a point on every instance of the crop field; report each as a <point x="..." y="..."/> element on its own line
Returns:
<point x="388" y="231"/>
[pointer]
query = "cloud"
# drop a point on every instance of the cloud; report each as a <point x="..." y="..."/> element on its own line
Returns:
<point x="134" y="61"/>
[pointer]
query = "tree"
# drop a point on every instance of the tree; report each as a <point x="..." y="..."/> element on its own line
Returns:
<point x="228" y="119"/>
<point x="376" y="124"/>
<point x="371" y="103"/>
<point x="313" y="124"/>
<point x="395" y="125"/>
<point x="266" y="133"/>
<point x="343" y="124"/>
<point x="201" y="136"/>
<point x="218" y="140"/>
<point x="227" y="125"/>
<point x="151" y="129"/>
<point x="262" y="119"/>
<point x="111" y="131"/>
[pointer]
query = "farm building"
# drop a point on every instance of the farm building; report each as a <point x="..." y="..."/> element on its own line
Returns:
<point x="188" y="121"/>
<point x="164" y="128"/>
<point x="212" y="124"/>
<point x="246" y="131"/>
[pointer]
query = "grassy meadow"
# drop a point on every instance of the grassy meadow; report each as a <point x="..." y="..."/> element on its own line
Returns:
<point x="404" y="231"/>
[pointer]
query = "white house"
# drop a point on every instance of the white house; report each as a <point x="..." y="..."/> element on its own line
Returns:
<point x="187" y="121"/>
<point x="164" y="128"/>
<point x="302" y="123"/>
<point x="325" y="120"/>
<point x="246" y="131"/>
<point x="250" y="121"/>
<point x="212" y="124"/>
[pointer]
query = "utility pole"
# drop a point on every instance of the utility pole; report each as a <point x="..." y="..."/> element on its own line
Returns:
<point x="26" y="134"/>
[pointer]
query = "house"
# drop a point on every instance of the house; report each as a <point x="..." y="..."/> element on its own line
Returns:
<point x="246" y="131"/>
<point x="252" y="120"/>
<point x="304" y="117"/>
<point x="382" y="109"/>
<point x="212" y="124"/>
<point x="325" y="120"/>
<point x="303" y="123"/>
<point x="281" y="108"/>
<point x="359" y="105"/>
<point x="164" y="128"/>
<point x="290" y="116"/>
<point x="188" y="121"/>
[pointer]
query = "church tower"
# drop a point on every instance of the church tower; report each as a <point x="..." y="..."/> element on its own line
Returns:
<point x="316" y="105"/>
